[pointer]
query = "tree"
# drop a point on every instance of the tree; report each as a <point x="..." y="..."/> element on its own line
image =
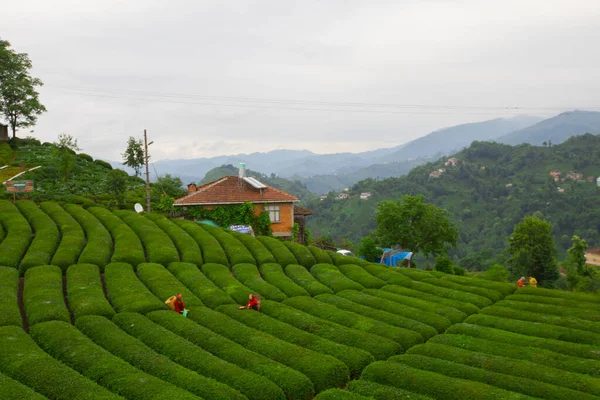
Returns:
<point x="368" y="249"/>
<point x="64" y="155"/>
<point x="532" y="251"/>
<point x="19" y="100"/>
<point x="415" y="225"/>
<point x="444" y="264"/>
<point x="134" y="155"/>
<point x="117" y="184"/>
<point x="168" y="185"/>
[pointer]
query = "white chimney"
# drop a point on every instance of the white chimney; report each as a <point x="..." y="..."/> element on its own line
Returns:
<point x="242" y="170"/>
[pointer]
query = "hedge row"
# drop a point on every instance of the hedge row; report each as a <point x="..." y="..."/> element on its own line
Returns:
<point x="320" y="255"/>
<point x="452" y="294"/>
<point x="186" y="245"/>
<point x="85" y="292"/>
<point x="467" y="308"/>
<point x="273" y="273"/>
<point x="159" y="246"/>
<point x="516" y="339"/>
<point x="303" y="278"/>
<point x="360" y="276"/>
<point x="25" y="362"/>
<point x="236" y="252"/>
<point x="436" y="385"/>
<point x="338" y="363"/>
<point x="258" y="250"/>
<point x="2" y="235"/>
<point x="572" y="304"/>
<point x="221" y="276"/>
<point x="339" y="259"/>
<point x="478" y="291"/>
<point x="110" y="337"/>
<point x="163" y="284"/>
<point x="330" y="276"/>
<point x="379" y="347"/>
<point x="504" y="288"/>
<point x="127" y="245"/>
<point x="43" y="297"/>
<point x="383" y="392"/>
<point x="11" y="389"/>
<point x="98" y="248"/>
<point x="9" y="306"/>
<point x="386" y="274"/>
<point x="46" y="238"/>
<point x="339" y="394"/>
<point x="199" y="284"/>
<point x="426" y="324"/>
<point x="554" y="309"/>
<point x="414" y="274"/>
<point x="294" y="384"/>
<point x="65" y="343"/>
<point x="73" y="238"/>
<point x="303" y="255"/>
<point x="249" y="276"/>
<point x="193" y="357"/>
<point x="126" y="292"/>
<point x="452" y="314"/>
<point x="212" y="252"/>
<point x="536" y="291"/>
<point x="507" y="366"/>
<point x="282" y="254"/>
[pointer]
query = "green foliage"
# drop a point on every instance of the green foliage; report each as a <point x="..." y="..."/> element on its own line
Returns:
<point x="46" y="237"/>
<point x="369" y="250"/>
<point x="502" y="287"/>
<point x="234" y="214"/>
<point x="571" y="303"/>
<point x="496" y="273"/>
<point x="186" y="245"/>
<point x="580" y="297"/>
<point x="491" y="294"/>
<point x="339" y="394"/>
<point x="86" y="157"/>
<point x="330" y="276"/>
<point x="466" y="308"/>
<point x="273" y="273"/>
<point x="64" y="156"/>
<point x="117" y="184"/>
<point x="236" y="252"/>
<point x="85" y="293"/>
<point x="415" y="274"/>
<point x="452" y="294"/>
<point x="43" y="295"/>
<point x="581" y="277"/>
<point x="134" y="155"/>
<point x="258" y="250"/>
<point x="320" y="255"/>
<point x="167" y="186"/>
<point x="222" y="277"/>
<point x="387" y="274"/>
<point x="281" y="253"/>
<point x="9" y="307"/>
<point x="11" y="389"/>
<point x="360" y="276"/>
<point x="212" y="252"/>
<point x="248" y="275"/>
<point x="103" y="164"/>
<point x="303" y="255"/>
<point x="444" y="264"/>
<point x="73" y="238"/>
<point x="210" y="294"/>
<point x="383" y="392"/>
<point x="98" y="248"/>
<point x="303" y="278"/>
<point x="18" y="235"/>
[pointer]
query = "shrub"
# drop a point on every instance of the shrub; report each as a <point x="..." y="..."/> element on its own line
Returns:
<point x="339" y="394"/>
<point x="65" y="343"/>
<point x="221" y="276"/>
<point x="414" y="274"/>
<point x="273" y="273"/>
<point x="282" y="254"/>
<point x="126" y="292"/>
<point x="98" y="248"/>
<point x="164" y="285"/>
<point x="258" y="250"/>
<point x="18" y="235"/>
<point x="9" y="306"/>
<point x="85" y="157"/>
<point x="360" y="276"/>
<point x="159" y="247"/>
<point x="85" y="292"/>
<point x="193" y="357"/>
<point x="553" y="306"/>
<point x="496" y="273"/>
<point x="384" y="273"/>
<point x="236" y="252"/>
<point x="333" y="372"/>
<point x="127" y="246"/>
<point x="467" y="308"/>
<point x="458" y="270"/>
<point x="444" y="264"/>
<point x="249" y="276"/>
<point x="103" y="164"/>
<point x="294" y="384"/>
<point x="303" y="278"/>
<point x="199" y="284"/>
<point x="479" y="291"/>
<point x="504" y="288"/>
<point x="320" y="255"/>
<point x="580" y="297"/>
<point x="452" y="294"/>
<point x="339" y="259"/>
<point x="186" y="245"/>
<point x="25" y="362"/>
<point x="527" y="298"/>
<point x="330" y="276"/>
<point x="11" y="389"/>
<point x="303" y="255"/>
<point x="109" y="336"/>
<point x="383" y="392"/>
<point x="212" y="252"/>
<point x="43" y="297"/>
<point x="73" y="238"/>
<point x="46" y="237"/>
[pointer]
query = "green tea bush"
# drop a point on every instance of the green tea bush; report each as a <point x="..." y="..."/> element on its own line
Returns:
<point x="85" y="292"/>
<point x="476" y="300"/>
<point x="98" y="248"/>
<point x="46" y="238"/>
<point x="493" y="295"/>
<point x="127" y="245"/>
<point x="580" y="306"/>
<point x="24" y="361"/>
<point x="110" y="337"/>
<point x="186" y="245"/>
<point x="282" y="254"/>
<point x="103" y="163"/>
<point x="85" y="157"/>
<point x="43" y="297"/>
<point x="126" y="292"/>
<point x="426" y="324"/>
<point x="504" y="288"/>
<point x="383" y="392"/>
<point x="212" y="252"/>
<point x="258" y="250"/>
<point x="330" y="276"/>
<point x="414" y="274"/>
<point x="347" y="361"/>
<point x="303" y="255"/>
<point x="163" y="284"/>
<point x="320" y="255"/>
<point x="73" y="238"/>
<point x="452" y="314"/>
<point x="221" y="276"/>
<point x="11" y="389"/>
<point x="339" y="394"/>
<point x="303" y="278"/>
<point x="339" y="259"/>
<point x="379" y="347"/>
<point x="209" y="293"/>
<point x="196" y="359"/>
<point x="273" y="273"/>
<point x="2" y="233"/>
<point x="9" y="306"/>
<point x="249" y="276"/>
<point x="386" y="274"/>
<point x="360" y="276"/>
<point x="295" y="385"/>
<point x="552" y="309"/>
<point x="467" y="308"/>
<point x="536" y="291"/>
<point x="65" y="343"/>
<point x="236" y="252"/>
<point x="159" y="247"/>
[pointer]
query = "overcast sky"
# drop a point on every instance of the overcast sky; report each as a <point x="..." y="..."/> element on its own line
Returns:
<point x="208" y="78"/>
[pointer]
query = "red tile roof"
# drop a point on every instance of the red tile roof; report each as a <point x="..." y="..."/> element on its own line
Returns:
<point x="229" y="190"/>
<point x="594" y="251"/>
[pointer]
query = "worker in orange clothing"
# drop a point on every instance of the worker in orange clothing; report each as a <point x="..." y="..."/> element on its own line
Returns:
<point x="253" y="303"/>
<point x="521" y="282"/>
<point x="179" y="305"/>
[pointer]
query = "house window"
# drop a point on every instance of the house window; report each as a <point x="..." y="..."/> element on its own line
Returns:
<point x="273" y="213"/>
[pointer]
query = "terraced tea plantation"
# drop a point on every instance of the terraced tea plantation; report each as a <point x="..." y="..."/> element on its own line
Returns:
<point x="83" y="316"/>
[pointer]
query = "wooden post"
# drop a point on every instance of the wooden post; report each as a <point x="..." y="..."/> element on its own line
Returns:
<point x="146" y="157"/>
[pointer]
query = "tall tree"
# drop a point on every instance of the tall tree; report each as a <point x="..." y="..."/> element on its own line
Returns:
<point x="117" y="184"/>
<point x="415" y="225"/>
<point x="532" y="251"/>
<point x="134" y="155"/>
<point x="65" y="155"/>
<point x="19" y="100"/>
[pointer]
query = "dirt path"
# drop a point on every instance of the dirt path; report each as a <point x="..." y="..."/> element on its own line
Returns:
<point x="65" y="295"/>
<point x="21" y="306"/>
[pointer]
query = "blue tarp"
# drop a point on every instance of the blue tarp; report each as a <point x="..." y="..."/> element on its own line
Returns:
<point x="391" y="258"/>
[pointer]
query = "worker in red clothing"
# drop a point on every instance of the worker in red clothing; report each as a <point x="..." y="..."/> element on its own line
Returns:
<point x="521" y="282"/>
<point x="253" y="303"/>
<point x="179" y="305"/>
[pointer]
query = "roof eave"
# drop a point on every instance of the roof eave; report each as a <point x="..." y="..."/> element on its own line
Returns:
<point x="235" y="202"/>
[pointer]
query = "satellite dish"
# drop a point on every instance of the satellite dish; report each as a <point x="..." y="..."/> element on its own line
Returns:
<point x="138" y="208"/>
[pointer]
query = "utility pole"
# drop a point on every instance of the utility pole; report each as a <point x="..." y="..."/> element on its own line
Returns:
<point x="146" y="158"/>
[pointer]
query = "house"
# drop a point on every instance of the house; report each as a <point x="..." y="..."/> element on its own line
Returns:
<point x="341" y="196"/>
<point x="451" y="162"/>
<point x="233" y="190"/>
<point x="508" y="185"/>
<point x="3" y="133"/>
<point x="365" y="195"/>
<point x="437" y="173"/>
<point x="574" y="176"/>
<point x="555" y="174"/>
<point x="592" y="257"/>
